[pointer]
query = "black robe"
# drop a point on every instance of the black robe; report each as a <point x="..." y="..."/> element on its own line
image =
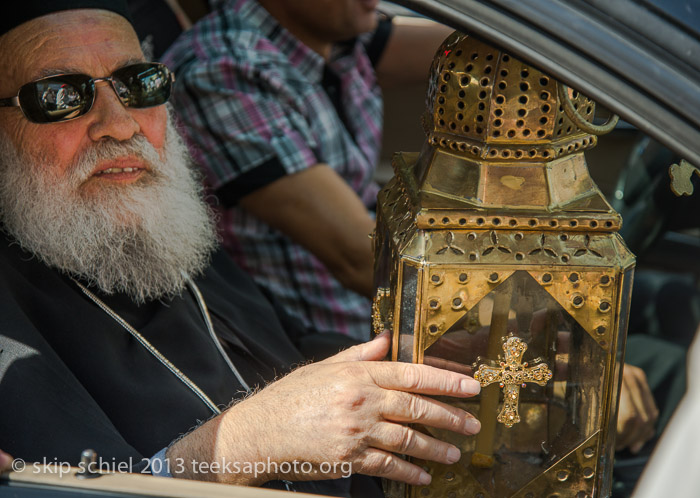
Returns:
<point x="72" y="378"/>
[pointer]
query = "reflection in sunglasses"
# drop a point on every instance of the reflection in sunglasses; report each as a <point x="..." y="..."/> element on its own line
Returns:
<point x="67" y="96"/>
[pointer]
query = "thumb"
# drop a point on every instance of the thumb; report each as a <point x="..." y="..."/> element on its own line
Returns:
<point x="5" y="461"/>
<point x="373" y="350"/>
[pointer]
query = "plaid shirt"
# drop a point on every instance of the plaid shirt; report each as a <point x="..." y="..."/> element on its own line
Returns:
<point x="257" y="104"/>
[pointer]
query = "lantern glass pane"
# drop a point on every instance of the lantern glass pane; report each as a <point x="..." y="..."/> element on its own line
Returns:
<point x="551" y="420"/>
<point x="409" y="288"/>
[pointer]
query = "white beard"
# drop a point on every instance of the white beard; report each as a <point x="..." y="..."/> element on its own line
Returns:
<point x="141" y="239"/>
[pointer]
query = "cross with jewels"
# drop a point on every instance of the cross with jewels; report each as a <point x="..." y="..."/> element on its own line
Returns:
<point x="511" y="375"/>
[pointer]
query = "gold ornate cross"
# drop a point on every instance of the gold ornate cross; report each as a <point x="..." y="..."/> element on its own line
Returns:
<point x="511" y="375"/>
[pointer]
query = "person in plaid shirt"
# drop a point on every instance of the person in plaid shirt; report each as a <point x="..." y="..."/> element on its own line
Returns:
<point x="285" y="117"/>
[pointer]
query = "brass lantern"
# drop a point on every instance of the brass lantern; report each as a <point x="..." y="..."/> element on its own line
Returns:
<point x="497" y="256"/>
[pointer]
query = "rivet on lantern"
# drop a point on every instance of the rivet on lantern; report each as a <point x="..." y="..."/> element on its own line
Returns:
<point x="436" y="278"/>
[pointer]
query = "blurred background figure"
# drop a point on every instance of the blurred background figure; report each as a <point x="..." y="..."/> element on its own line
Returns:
<point x="281" y="104"/>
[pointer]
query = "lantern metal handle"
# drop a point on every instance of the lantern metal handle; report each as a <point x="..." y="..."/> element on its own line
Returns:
<point x="579" y="120"/>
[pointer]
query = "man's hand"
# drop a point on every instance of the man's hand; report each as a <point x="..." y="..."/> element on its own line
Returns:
<point x="5" y="461"/>
<point x="349" y="409"/>
<point x="638" y="413"/>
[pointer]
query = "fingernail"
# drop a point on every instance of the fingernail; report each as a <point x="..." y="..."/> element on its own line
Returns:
<point x="5" y="459"/>
<point x="381" y="334"/>
<point x="472" y="425"/>
<point x="470" y="386"/>
<point x="453" y="455"/>
<point x="424" y="479"/>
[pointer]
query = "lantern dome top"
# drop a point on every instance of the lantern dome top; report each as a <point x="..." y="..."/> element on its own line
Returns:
<point x="486" y="103"/>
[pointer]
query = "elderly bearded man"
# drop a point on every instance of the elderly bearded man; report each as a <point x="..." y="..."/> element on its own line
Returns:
<point x="110" y="305"/>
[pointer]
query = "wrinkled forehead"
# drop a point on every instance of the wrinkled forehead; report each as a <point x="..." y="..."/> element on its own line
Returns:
<point x="90" y="41"/>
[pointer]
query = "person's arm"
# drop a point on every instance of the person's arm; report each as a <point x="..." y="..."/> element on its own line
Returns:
<point x="318" y="210"/>
<point x="259" y="150"/>
<point x="409" y="51"/>
<point x="637" y="414"/>
<point x="350" y="409"/>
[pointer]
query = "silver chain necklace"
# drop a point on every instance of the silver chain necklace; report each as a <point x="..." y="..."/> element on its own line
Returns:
<point x="159" y="356"/>
<point x="185" y="380"/>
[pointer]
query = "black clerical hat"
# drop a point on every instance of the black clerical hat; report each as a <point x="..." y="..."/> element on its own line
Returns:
<point x="26" y="10"/>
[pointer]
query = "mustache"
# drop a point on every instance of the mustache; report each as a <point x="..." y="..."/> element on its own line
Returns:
<point x="110" y="149"/>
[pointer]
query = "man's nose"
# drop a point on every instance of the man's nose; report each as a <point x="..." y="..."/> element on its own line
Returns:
<point x="109" y="117"/>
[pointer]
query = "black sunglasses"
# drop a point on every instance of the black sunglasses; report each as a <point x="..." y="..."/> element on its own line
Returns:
<point x="63" y="97"/>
